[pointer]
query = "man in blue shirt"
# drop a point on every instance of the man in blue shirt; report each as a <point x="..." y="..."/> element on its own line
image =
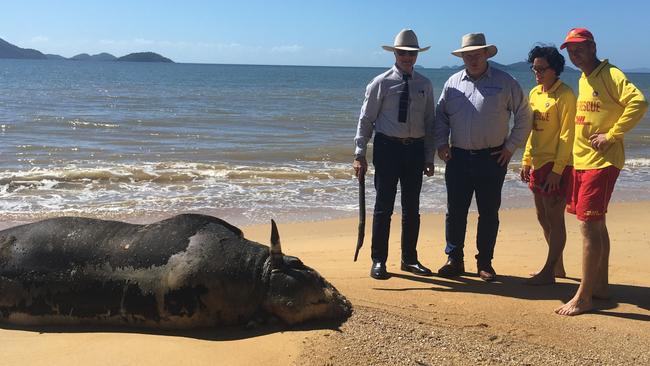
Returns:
<point x="473" y="137"/>
<point x="399" y="108"/>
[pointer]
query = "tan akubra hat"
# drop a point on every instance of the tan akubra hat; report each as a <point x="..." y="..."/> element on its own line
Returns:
<point x="474" y="41"/>
<point x="406" y="40"/>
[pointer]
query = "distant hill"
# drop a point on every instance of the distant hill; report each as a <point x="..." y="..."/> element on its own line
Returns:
<point x="54" y="57"/>
<point x="144" y="57"/>
<point x="8" y="50"/>
<point x="98" y="57"/>
<point x="517" y="66"/>
<point x="639" y="69"/>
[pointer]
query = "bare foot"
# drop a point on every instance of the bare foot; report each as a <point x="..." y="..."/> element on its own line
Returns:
<point x="541" y="278"/>
<point x="559" y="273"/>
<point x="575" y="306"/>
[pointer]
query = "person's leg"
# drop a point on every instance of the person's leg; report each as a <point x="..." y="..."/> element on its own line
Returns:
<point x="489" y="183"/>
<point x="552" y="216"/>
<point x="386" y="176"/>
<point x="592" y="255"/>
<point x="411" y="186"/>
<point x="459" y="197"/>
<point x="601" y="288"/>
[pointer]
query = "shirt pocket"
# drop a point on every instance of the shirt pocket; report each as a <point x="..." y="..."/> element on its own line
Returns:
<point x="455" y="101"/>
<point x="392" y="97"/>
<point x="419" y="100"/>
<point x="491" y="100"/>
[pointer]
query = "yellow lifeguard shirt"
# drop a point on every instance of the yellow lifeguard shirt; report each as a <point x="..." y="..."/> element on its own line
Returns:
<point x="607" y="103"/>
<point x="551" y="139"/>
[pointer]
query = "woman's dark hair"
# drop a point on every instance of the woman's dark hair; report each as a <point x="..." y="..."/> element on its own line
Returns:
<point x="551" y="54"/>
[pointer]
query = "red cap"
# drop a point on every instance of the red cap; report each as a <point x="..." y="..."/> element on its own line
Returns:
<point x="577" y="35"/>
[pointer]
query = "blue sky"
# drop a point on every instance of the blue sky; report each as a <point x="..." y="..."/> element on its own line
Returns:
<point x="333" y="33"/>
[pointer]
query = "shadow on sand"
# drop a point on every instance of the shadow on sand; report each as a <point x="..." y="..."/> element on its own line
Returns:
<point x="209" y="334"/>
<point x="513" y="286"/>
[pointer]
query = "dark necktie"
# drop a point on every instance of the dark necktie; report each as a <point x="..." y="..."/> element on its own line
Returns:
<point x="404" y="101"/>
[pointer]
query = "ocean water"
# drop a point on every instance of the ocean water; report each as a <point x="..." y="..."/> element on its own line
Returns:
<point x="245" y="143"/>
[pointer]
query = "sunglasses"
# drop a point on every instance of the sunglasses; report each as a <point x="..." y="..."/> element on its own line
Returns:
<point x="405" y="52"/>
<point x="539" y="70"/>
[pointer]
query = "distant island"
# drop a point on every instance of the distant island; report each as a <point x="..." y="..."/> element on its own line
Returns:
<point x="8" y="50"/>
<point x="517" y="66"/>
<point x="144" y="57"/>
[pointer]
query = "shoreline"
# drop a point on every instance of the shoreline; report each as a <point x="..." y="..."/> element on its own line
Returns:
<point x="407" y="318"/>
<point x="237" y="218"/>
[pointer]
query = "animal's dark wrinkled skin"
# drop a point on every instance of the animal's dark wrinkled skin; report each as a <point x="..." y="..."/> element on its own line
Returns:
<point x="184" y="272"/>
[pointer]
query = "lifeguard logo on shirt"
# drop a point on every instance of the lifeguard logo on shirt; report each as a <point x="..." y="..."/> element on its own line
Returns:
<point x="580" y="121"/>
<point x="542" y="116"/>
<point x="589" y="106"/>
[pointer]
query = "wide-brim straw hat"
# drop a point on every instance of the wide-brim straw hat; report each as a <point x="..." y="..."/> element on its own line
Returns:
<point x="406" y="40"/>
<point x="475" y="41"/>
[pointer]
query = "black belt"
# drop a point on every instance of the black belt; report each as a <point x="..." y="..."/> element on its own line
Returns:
<point x="478" y="151"/>
<point x="401" y="140"/>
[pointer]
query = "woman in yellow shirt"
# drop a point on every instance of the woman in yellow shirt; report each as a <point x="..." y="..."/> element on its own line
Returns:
<point x="546" y="163"/>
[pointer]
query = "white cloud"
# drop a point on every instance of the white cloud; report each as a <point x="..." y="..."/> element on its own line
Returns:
<point x="142" y="41"/>
<point x="40" y="39"/>
<point x="335" y="51"/>
<point x="286" y="49"/>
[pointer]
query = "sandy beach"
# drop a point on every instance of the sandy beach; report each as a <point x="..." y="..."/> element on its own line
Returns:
<point x="407" y="320"/>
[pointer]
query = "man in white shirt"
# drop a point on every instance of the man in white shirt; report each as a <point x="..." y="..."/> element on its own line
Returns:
<point x="399" y="108"/>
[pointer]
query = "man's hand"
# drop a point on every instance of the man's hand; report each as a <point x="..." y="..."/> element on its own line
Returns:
<point x="504" y="156"/>
<point x="599" y="141"/>
<point x="360" y="166"/>
<point x="552" y="182"/>
<point x="428" y="169"/>
<point x="444" y="153"/>
<point x="524" y="173"/>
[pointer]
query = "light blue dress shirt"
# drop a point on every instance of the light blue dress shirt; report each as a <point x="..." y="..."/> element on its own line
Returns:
<point x="381" y="107"/>
<point x="475" y="114"/>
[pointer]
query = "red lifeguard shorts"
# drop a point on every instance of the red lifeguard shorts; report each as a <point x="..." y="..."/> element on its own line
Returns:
<point x="538" y="177"/>
<point x="589" y="192"/>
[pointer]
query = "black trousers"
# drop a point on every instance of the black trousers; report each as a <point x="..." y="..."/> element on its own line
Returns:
<point x="395" y="162"/>
<point x="470" y="173"/>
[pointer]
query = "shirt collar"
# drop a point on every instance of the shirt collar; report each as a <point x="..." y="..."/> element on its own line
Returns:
<point x="401" y="73"/>
<point x="487" y="74"/>
<point x="553" y="88"/>
<point x="602" y="65"/>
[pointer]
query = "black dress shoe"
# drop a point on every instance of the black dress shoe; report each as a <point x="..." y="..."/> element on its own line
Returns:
<point x="378" y="271"/>
<point x="452" y="268"/>
<point x="486" y="272"/>
<point x="417" y="268"/>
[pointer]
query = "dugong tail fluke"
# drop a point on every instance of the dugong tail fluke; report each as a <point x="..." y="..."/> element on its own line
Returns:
<point x="276" y="248"/>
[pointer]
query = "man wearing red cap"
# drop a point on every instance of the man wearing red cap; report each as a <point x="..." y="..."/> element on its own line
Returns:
<point x="608" y="106"/>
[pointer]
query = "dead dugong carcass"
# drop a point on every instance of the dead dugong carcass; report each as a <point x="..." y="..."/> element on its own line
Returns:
<point x="183" y="272"/>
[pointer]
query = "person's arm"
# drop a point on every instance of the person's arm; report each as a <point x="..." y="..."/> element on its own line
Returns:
<point x="365" y="127"/>
<point x="635" y="104"/>
<point x="429" y="126"/>
<point x="527" y="159"/>
<point x="523" y="119"/>
<point x="566" y="107"/>
<point x="441" y="127"/>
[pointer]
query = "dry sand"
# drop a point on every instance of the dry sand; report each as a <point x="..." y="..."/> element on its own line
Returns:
<point x="408" y="320"/>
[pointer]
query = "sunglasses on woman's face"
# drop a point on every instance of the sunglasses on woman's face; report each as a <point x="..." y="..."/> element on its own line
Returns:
<point x="405" y="52"/>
